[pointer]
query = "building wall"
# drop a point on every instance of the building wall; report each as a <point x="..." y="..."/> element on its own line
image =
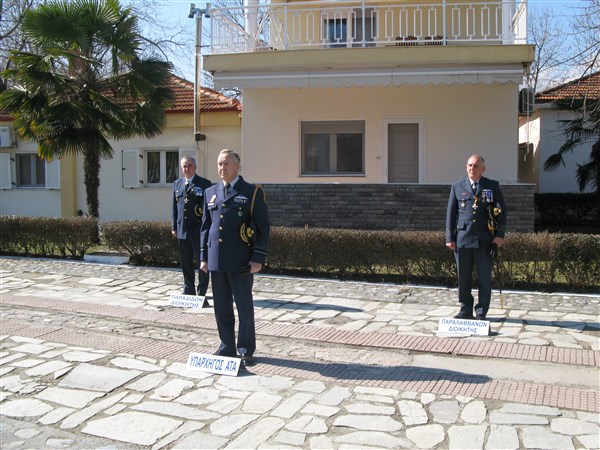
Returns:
<point x="401" y="207"/>
<point x="154" y="203"/>
<point x="563" y="178"/>
<point x="28" y="201"/>
<point x="543" y="131"/>
<point x="458" y="121"/>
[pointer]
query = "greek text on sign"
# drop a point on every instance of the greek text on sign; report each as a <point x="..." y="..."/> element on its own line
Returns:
<point x="187" y="301"/>
<point x="223" y="365"/>
<point x="464" y="326"/>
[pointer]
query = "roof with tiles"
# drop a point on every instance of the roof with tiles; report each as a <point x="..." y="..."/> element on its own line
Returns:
<point x="585" y="87"/>
<point x="210" y="100"/>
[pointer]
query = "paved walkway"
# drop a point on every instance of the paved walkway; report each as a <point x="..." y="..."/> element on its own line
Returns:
<point x="92" y="356"/>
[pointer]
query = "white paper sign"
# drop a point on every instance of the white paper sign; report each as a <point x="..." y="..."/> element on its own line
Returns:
<point x="187" y="301"/>
<point x="464" y="326"/>
<point x="223" y="365"/>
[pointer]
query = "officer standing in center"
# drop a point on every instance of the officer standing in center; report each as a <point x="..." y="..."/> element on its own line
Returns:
<point x="188" y="201"/>
<point x="233" y="254"/>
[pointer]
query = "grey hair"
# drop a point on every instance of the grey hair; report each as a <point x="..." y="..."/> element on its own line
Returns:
<point x="189" y="158"/>
<point x="226" y="151"/>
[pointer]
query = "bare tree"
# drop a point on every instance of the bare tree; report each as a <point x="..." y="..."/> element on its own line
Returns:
<point x="549" y="42"/>
<point x="11" y="34"/>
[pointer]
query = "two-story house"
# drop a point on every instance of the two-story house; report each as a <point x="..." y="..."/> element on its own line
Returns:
<point x="388" y="92"/>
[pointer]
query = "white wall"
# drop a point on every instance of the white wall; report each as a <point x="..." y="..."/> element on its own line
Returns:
<point x="26" y="201"/>
<point x="458" y="120"/>
<point x="154" y="203"/>
<point x="563" y="178"/>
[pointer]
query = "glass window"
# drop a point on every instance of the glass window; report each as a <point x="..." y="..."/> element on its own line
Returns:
<point x="333" y="148"/>
<point x="162" y="166"/>
<point x="31" y="171"/>
<point x="336" y="32"/>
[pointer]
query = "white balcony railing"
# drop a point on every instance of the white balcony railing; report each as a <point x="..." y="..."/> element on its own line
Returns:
<point x="366" y="23"/>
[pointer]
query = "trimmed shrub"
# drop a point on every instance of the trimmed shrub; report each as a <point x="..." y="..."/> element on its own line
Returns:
<point x="46" y="236"/>
<point x="147" y="243"/>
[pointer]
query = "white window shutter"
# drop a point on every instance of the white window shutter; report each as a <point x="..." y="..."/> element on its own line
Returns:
<point x="186" y="152"/>
<point x="53" y="174"/>
<point x="131" y="163"/>
<point x="5" y="171"/>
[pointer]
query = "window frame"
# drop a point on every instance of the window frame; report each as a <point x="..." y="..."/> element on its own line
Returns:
<point x="34" y="171"/>
<point x="163" y="182"/>
<point x="333" y="128"/>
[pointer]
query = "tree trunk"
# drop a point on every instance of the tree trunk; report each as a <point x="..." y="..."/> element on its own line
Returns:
<point x="91" y="173"/>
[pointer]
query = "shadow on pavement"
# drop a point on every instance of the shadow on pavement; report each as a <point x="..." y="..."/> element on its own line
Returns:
<point x="286" y="304"/>
<point x="351" y="371"/>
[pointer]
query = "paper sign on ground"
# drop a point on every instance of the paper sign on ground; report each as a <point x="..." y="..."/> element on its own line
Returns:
<point x="187" y="301"/>
<point x="222" y="365"/>
<point x="464" y="326"/>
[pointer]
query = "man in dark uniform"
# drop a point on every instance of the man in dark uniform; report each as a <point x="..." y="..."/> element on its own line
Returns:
<point x="473" y="203"/>
<point x="188" y="202"/>
<point x="233" y="254"/>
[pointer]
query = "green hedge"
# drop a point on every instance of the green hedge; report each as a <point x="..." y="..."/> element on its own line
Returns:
<point x="45" y="236"/>
<point x="147" y="243"/>
<point x="544" y="261"/>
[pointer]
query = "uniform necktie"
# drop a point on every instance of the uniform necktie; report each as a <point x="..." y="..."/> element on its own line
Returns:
<point x="226" y="189"/>
<point x="475" y="187"/>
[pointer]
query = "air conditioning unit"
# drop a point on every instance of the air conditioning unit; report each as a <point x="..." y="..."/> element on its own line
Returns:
<point x="526" y="101"/>
<point x="6" y="137"/>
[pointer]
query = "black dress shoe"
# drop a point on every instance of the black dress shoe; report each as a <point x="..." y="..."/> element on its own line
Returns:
<point x="206" y="304"/>
<point x="222" y="353"/>
<point x="480" y="317"/>
<point x="462" y="315"/>
<point x="248" y="360"/>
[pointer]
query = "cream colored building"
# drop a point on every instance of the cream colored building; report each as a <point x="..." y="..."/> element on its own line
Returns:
<point x="388" y="91"/>
<point x="137" y="182"/>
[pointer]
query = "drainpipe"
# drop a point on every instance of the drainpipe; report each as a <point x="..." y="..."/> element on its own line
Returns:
<point x="198" y="13"/>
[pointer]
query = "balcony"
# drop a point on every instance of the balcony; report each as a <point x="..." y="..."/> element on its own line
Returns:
<point x="354" y="24"/>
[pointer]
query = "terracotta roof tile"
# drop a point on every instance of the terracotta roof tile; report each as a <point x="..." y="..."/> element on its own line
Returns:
<point x="210" y="100"/>
<point x="588" y="86"/>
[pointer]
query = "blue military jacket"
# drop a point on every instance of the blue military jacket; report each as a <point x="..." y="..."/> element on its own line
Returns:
<point x="467" y="214"/>
<point x="220" y="242"/>
<point x="188" y="205"/>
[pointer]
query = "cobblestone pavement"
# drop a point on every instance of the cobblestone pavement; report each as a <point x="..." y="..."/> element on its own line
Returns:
<point x="93" y="356"/>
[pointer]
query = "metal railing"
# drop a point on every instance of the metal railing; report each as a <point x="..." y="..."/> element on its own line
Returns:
<point x="366" y="23"/>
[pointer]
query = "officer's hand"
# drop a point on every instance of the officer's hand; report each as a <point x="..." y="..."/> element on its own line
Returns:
<point x="174" y="233"/>
<point x="255" y="267"/>
<point x="498" y="241"/>
<point x="204" y="267"/>
<point x="451" y="245"/>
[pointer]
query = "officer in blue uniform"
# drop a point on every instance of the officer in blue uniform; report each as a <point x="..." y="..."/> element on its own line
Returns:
<point x="233" y="246"/>
<point x="188" y="203"/>
<point x="475" y="221"/>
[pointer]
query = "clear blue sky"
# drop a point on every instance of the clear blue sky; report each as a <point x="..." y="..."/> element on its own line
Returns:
<point x="176" y="12"/>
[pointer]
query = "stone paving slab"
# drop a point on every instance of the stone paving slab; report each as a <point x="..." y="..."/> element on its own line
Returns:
<point x="443" y="382"/>
<point x="242" y="413"/>
<point x="479" y="348"/>
<point x="86" y="349"/>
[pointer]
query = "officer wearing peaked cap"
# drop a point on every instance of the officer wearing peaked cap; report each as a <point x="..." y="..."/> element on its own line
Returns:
<point x="234" y="239"/>
<point x="188" y="201"/>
